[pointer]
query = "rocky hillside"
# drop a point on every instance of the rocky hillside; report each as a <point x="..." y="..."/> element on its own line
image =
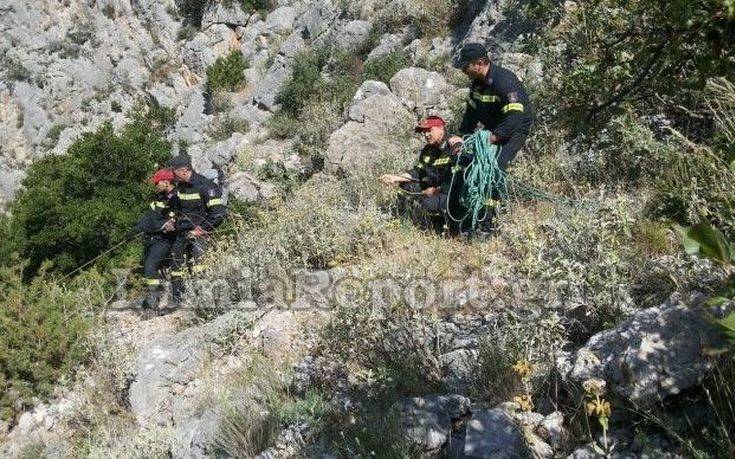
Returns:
<point x="328" y="324"/>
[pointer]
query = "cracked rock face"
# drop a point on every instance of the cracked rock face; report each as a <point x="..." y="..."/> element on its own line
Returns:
<point x="655" y="353"/>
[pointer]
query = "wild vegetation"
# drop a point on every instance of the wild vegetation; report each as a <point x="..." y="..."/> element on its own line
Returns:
<point x="616" y="171"/>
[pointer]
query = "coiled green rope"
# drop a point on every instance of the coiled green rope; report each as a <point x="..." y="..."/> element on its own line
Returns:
<point x="482" y="179"/>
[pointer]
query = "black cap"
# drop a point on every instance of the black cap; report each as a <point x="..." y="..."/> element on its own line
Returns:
<point x="179" y="161"/>
<point x="469" y="53"/>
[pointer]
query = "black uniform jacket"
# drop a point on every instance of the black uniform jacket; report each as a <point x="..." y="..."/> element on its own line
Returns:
<point x="201" y="204"/>
<point x="500" y="103"/>
<point x="434" y="167"/>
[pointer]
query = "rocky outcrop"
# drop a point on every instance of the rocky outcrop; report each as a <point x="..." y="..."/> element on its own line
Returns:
<point x="427" y="421"/>
<point x="420" y="89"/>
<point x="655" y="353"/>
<point x="167" y="366"/>
<point x="493" y="434"/>
<point x="377" y="123"/>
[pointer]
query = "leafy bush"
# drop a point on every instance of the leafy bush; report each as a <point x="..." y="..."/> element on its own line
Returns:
<point x="192" y="11"/>
<point x="226" y="125"/>
<point x="635" y="50"/>
<point x="305" y="77"/>
<point x="43" y="327"/>
<point x="74" y="207"/>
<point x="429" y="18"/>
<point x="227" y="72"/>
<point x="384" y="67"/>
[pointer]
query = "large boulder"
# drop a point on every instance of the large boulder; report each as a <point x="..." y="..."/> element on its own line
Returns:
<point x="319" y="18"/>
<point x="166" y="366"/>
<point x="388" y="44"/>
<point x="352" y="35"/>
<point x="378" y="124"/>
<point x="247" y="188"/>
<point x="229" y="13"/>
<point x="457" y="367"/>
<point x="655" y="353"/>
<point x="494" y="434"/>
<point x="280" y="21"/>
<point x="420" y="89"/>
<point x="427" y="421"/>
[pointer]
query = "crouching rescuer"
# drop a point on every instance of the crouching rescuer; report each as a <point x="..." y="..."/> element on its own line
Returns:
<point x="202" y="210"/>
<point x="159" y="234"/>
<point x="431" y="177"/>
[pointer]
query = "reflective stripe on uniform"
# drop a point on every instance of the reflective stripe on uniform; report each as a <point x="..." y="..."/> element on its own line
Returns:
<point x="426" y="159"/>
<point x="420" y="166"/>
<point x="487" y="98"/>
<point x="214" y="202"/>
<point x="514" y="107"/>
<point x="441" y="161"/>
<point x="158" y="205"/>
<point x="456" y="169"/>
<point x="189" y="196"/>
<point x="153" y="282"/>
<point x="178" y="273"/>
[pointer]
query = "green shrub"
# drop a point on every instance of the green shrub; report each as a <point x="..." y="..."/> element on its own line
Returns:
<point x="192" y="11"/>
<point x="430" y="18"/>
<point x="186" y="32"/>
<point x="698" y="180"/>
<point x="52" y="138"/>
<point x="43" y="327"/>
<point x="226" y="125"/>
<point x="74" y="207"/>
<point x="305" y="76"/>
<point x="635" y="50"/>
<point x="276" y="172"/>
<point x="15" y="71"/>
<point x="383" y="68"/>
<point x="227" y="72"/>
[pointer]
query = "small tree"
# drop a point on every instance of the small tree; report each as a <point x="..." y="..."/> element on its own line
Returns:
<point x="227" y="72"/>
<point x="73" y="207"/>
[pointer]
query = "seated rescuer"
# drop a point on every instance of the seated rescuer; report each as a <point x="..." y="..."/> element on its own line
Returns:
<point x="498" y="102"/>
<point x="202" y="210"/>
<point x="158" y="227"/>
<point x="433" y="172"/>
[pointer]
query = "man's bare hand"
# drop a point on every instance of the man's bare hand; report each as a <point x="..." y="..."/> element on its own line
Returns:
<point x="393" y="179"/>
<point x="387" y="179"/>
<point x="169" y="226"/>
<point x="454" y="139"/>
<point x="431" y="191"/>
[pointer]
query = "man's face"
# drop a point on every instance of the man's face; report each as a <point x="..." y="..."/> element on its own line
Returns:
<point x="474" y="70"/>
<point x="182" y="174"/>
<point x="164" y="186"/>
<point x="434" y="135"/>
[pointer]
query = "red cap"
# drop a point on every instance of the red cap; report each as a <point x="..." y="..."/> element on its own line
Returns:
<point x="430" y="122"/>
<point x="162" y="174"/>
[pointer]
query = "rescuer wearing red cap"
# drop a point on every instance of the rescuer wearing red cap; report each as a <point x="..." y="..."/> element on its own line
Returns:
<point x="433" y="172"/>
<point x="159" y="229"/>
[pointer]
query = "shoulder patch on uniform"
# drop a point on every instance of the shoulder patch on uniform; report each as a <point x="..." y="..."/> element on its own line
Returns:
<point x="512" y="97"/>
<point x="211" y="192"/>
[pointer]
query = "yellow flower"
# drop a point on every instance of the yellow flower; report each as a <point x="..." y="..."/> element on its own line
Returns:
<point x="524" y="401"/>
<point x="524" y="368"/>
<point x="594" y="386"/>
<point x="599" y="408"/>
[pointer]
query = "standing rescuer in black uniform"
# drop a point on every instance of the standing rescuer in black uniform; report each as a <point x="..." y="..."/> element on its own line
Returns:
<point x="158" y="228"/>
<point x="432" y="174"/>
<point x="498" y="102"/>
<point x="202" y="210"/>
